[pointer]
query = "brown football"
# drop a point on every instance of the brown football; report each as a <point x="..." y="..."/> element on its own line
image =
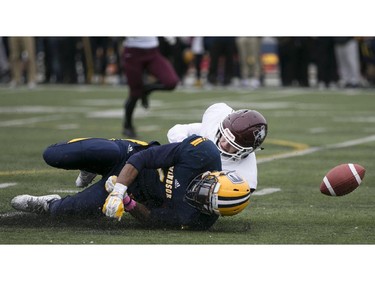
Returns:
<point x="342" y="179"/>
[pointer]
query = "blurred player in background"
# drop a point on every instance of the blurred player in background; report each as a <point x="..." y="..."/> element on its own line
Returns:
<point x="173" y="185"/>
<point x="141" y="56"/>
<point x="237" y="134"/>
<point x="22" y="50"/>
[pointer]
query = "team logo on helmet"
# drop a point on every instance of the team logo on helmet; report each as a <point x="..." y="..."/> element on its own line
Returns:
<point x="259" y="135"/>
<point x="234" y="178"/>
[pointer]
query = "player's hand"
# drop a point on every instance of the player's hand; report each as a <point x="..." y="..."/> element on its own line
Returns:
<point x="110" y="183"/>
<point x="114" y="206"/>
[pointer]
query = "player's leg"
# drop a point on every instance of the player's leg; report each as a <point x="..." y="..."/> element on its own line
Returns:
<point x="129" y="107"/>
<point x="133" y="66"/>
<point x="15" y="60"/>
<point x="30" y="47"/>
<point x="93" y="155"/>
<point x="163" y="71"/>
<point x="89" y="202"/>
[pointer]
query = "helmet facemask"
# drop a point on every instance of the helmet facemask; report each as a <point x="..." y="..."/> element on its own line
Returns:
<point x="241" y="152"/>
<point x="222" y="193"/>
<point x="200" y="192"/>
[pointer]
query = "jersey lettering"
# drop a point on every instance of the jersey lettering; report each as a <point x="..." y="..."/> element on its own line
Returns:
<point x="161" y="174"/>
<point x="169" y="183"/>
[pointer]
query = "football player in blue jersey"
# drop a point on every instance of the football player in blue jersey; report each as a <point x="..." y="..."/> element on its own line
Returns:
<point x="179" y="184"/>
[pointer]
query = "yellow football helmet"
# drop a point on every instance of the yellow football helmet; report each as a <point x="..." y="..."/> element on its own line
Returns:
<point x="223" y="193"/>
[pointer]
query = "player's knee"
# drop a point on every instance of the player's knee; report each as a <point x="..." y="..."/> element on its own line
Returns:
<point x="46" y="156"/>
<point x="171" y="84"/>
<point x="50" y="156"/>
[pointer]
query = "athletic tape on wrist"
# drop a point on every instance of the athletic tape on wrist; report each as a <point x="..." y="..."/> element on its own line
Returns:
<point x="129" y="204"/>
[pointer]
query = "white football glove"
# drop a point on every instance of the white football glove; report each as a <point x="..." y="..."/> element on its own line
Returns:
<point x="114" y="206"/>
<point x="110" y="183"/>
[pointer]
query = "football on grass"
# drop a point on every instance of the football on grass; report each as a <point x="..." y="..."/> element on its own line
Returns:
<point x="342" y="179"/>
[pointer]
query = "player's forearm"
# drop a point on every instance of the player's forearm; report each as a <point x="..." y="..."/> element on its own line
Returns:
<point x="127" y="175"/>
<point x="140" y="212"/>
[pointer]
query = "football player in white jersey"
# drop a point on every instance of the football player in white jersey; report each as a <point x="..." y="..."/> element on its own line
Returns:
<point x="237" y="134"/>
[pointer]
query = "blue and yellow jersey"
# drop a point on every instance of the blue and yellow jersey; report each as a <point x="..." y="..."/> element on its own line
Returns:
<point x="166" y="172"/>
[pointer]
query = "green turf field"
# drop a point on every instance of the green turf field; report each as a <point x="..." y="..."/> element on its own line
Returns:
<point x="310" y="132"/>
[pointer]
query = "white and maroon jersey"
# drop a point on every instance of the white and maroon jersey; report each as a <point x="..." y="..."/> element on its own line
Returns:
<point x="246" y="167"/>
<point x="141" y="42"/>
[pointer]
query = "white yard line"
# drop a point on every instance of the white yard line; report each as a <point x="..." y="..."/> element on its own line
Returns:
<point x="7" y="184"/>
<point x="11" y="214"/>
<point x="66" y="190"/>
<point x="266" y="191"/>
<point x="27" y="121"/>
<point x="316" y="149"/>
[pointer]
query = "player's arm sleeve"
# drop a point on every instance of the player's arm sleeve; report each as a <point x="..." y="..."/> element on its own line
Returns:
<point x="181" y="131"/>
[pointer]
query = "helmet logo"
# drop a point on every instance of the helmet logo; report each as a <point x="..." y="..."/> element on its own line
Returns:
<point x="229" y="134"/>
<point x="234" y="178"/>
<point x="259" y="135"/>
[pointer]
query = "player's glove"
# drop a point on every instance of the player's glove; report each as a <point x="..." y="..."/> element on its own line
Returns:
<point x="114" y="206"/>
<point x="110" y="183"/>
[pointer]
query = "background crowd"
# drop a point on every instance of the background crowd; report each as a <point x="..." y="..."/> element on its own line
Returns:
<point x="323" y="62"/>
